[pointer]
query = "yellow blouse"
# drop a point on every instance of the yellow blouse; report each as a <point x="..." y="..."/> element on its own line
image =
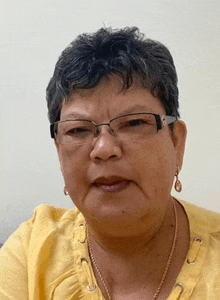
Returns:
<point x="47" y="258"/>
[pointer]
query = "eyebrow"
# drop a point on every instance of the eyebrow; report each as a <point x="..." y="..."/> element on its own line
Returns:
<point x="76" y="115"/>
<point x="135" y="109"/>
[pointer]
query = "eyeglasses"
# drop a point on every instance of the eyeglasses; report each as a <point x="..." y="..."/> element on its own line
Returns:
<point x="131" y="126"/>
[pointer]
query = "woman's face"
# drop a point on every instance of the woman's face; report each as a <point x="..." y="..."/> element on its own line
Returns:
<point x="147" y="165"/>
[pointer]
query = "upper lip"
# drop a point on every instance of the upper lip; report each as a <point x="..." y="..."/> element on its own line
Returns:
<point x="109" y="180"/>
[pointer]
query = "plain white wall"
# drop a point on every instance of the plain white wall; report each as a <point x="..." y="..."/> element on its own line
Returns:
<point x="33" y="34"/>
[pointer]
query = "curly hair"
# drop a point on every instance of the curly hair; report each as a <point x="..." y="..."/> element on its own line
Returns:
<point x="125" y="52"/>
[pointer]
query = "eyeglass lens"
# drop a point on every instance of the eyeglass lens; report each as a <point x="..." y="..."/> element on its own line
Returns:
<point x="82" y="131"/>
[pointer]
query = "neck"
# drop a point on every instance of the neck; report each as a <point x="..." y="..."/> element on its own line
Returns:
<point x="142" y="242"/>
<point x="121" y="264"/>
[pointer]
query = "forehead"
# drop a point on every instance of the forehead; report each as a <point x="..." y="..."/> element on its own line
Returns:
<point x="109" y="100"/>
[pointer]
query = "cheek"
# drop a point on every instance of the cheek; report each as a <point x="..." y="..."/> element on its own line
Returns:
<point x="166" y="166"/>
<point x="73" y="167"/>
<point x="154" y="163"/>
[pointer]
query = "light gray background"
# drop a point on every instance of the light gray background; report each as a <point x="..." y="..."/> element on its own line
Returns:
<point x="32" y="36"/>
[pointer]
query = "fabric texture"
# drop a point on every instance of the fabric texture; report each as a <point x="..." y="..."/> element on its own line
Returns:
<point x="47" y="258"/>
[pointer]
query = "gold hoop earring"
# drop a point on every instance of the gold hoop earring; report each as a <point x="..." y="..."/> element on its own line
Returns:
<point x="65" y="192"/>
<point x="178" y="184"/>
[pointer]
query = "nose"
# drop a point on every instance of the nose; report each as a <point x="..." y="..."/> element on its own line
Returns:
<point x="106" y="145"/>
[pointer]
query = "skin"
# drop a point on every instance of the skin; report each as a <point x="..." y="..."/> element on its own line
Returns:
<point x="136" y="225"/>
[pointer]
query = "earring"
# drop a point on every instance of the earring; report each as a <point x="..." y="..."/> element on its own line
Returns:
<point x="178" y="184"/>
<point x="65" y="192"/>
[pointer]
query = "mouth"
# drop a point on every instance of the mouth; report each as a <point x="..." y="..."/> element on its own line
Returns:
<point x="111" y="184"/>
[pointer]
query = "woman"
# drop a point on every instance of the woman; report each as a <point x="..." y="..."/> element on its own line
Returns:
<point x="113" y="109"/>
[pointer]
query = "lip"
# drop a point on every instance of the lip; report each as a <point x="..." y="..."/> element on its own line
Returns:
<point x="111" y="184"/>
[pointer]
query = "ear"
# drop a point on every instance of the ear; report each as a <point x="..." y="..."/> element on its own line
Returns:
<point x="179" y="134"/>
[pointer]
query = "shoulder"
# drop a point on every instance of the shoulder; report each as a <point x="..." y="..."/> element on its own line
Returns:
<point x="48" y="218"/>
<point x="47" y="221"/>
<point x="202" y="218"/>
<point x="201" y="264"/>
<point x="47" y="212"/>
<point x="42" y="250"/>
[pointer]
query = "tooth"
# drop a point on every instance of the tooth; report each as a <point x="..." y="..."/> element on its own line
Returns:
<point x="108" y="186"/>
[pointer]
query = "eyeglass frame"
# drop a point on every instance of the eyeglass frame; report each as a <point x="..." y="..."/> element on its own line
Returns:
<point x="161" y="121"/>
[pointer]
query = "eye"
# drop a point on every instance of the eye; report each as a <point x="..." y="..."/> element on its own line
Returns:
<point x="136" y="122"/>
<point x="78" y="131"/>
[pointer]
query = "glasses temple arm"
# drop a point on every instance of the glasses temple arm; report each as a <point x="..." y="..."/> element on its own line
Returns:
<point x="52" y="133"/>
<point x="170" y="119"/>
